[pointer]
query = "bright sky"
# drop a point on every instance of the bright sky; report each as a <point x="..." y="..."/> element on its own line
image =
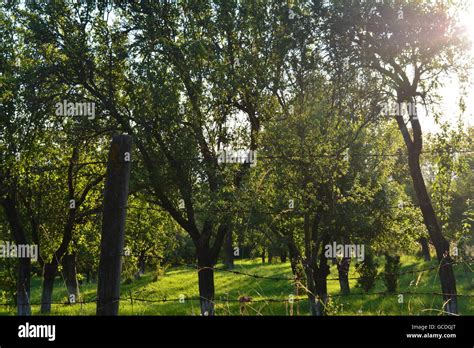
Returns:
<point x="450" y="93"/>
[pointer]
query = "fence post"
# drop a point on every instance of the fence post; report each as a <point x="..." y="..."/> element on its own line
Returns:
<point x="113" y="225"/>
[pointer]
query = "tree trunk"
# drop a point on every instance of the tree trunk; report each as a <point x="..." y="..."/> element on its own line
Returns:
<point x="311" y="291"/>
<point x="228" y="250"/>
<point x="24" y="265"/>
<point x="414" y="144"/>
<point x="206" y="281"/>
<point x="23" y="287"/>
<point x="141" y="265"/>
<point x="446" y="273"/>
<point x="343" y="272"/>
<point x="425" y="249"/>
<point x="50" y="270"/>
<point x="70" y="274"/>
<point x="320" y="278"/>
<point x="294" y="257"/>
<point x="296" y="266"/>
<point x="263" y="256"/>
<point x="49" y="274"/>
<point x="283" y="256"/>
<point x="315" y="275"/>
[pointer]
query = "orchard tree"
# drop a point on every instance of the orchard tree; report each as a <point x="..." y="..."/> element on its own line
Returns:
<point x="411" y="46"/>
<point x="186" y="80"/>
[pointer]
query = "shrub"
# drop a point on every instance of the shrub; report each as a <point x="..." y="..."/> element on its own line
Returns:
<point x="367" y="271"/>
<point x="391" y="272"/>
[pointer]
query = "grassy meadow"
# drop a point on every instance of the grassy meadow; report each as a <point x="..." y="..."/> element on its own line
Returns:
<point x="181" y="283"/>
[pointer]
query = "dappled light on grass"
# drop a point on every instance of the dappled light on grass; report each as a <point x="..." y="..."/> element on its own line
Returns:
<point x="231" y="287"/>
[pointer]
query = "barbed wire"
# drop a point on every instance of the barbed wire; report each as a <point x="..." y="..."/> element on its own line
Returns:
<point x="247" y="299"/>
<point x="293" y="279"/>
<point x="386" y="293"/>
<point x="242" y="299"/>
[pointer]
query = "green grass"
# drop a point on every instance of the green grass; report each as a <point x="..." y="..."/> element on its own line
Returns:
<point x="179" y="281"/>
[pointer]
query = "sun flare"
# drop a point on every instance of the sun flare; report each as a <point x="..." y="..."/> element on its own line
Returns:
<point x="467" y="21"/>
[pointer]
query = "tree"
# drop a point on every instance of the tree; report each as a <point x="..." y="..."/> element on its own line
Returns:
<point x="174" y="76"/>
<point x="409" y="47"/>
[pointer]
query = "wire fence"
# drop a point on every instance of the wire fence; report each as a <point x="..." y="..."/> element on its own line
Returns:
<point x="244" y="299"/>
<point x="257" y="276"/>
<point x="247" y="299"/>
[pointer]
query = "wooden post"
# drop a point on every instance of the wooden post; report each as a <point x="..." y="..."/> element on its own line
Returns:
<point x="113" y="225"/>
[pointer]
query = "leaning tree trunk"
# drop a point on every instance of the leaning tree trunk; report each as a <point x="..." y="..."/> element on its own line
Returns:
<point x="206" y="281"/>
<point x="425" y="249"/>
<point x="414" y="147"/>
<point x="343" y="273"/>
<point x="445" y="270"/>
<point x="23" y="287"/>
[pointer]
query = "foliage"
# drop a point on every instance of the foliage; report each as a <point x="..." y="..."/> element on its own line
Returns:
<point x="391" y="272"/>
<point x="367" y="271"/>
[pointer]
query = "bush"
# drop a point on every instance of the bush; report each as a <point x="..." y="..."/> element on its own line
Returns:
<point x="391" y="272"/>
<point x="367" y="271"/>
